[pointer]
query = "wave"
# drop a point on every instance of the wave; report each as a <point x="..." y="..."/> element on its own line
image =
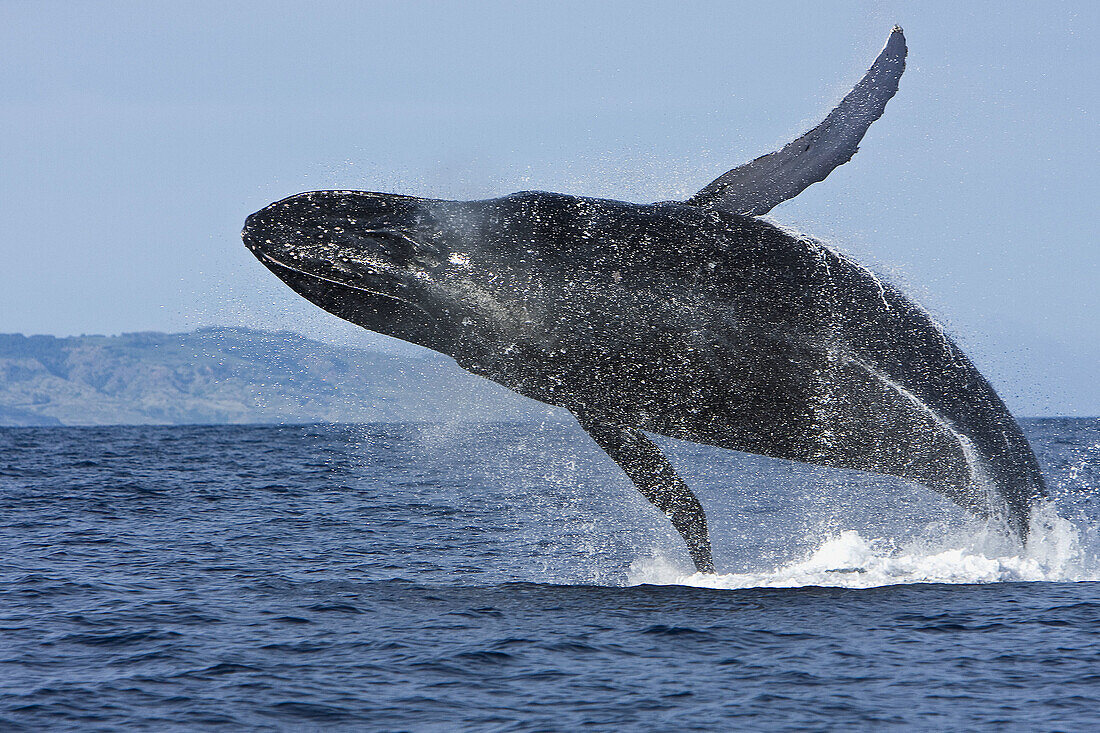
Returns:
<point x="974" y="553"/>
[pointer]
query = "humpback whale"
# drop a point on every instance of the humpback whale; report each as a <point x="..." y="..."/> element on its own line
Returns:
<point x="695" y="320"/>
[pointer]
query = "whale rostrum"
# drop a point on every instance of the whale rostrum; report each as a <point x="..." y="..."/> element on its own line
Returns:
<point x="694" y="320"/>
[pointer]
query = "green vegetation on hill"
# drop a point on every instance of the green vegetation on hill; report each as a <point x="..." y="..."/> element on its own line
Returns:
<point x="235" y="375"/>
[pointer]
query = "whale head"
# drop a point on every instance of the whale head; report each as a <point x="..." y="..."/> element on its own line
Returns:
<point x="370" y="258"/>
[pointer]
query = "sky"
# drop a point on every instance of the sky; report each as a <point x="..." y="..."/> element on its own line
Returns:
<point x="136" y="137"/>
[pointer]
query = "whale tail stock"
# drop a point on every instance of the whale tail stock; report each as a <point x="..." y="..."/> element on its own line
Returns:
<point x="964" y="445"/>
<point x="897" y="352"/>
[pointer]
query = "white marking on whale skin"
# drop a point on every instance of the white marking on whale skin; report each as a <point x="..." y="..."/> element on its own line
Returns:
<point x="823" y="250"/>
<point x="980" y="477"/>
<point x="875" y="278"/>
<point x="337" y="252"/>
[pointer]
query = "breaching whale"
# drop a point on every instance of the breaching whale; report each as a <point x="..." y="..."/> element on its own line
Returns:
<point x="694" y="320"/>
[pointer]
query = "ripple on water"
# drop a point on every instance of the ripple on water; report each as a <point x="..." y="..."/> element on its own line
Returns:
<point x="509" y="578"/>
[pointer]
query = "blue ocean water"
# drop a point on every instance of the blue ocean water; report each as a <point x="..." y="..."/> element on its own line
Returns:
<point x="508" y="577"/>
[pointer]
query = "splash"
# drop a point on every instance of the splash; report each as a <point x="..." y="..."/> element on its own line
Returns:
<point x="976" y="554"/>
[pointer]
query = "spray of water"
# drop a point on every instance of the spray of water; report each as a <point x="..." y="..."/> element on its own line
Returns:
<point x="976" y="552"/>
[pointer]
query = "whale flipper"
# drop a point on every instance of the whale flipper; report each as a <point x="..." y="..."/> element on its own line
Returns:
<point x="755" y="188"/>
<point x="658" y="481"/>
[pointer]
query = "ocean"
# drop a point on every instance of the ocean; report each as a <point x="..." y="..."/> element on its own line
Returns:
<point x="508" y="577"/>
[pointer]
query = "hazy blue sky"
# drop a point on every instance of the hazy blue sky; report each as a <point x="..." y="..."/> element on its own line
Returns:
<point x="135" y="138"/>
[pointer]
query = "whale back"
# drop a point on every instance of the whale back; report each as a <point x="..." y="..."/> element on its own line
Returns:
<point x="729" y="331"/>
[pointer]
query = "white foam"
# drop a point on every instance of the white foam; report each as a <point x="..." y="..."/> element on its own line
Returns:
<point x="976" y="554"/>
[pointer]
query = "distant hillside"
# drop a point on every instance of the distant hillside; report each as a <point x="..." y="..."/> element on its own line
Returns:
<point x="234" y="375"/>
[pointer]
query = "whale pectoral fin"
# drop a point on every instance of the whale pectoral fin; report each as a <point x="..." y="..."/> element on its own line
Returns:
<point x="754" y="188"/>
<point x="655" y="477"/>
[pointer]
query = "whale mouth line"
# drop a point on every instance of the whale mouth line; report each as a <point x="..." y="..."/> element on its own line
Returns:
<point x="269" y="260"/>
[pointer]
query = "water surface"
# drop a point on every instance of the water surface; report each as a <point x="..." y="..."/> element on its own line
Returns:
<point x="508" y="577"/>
